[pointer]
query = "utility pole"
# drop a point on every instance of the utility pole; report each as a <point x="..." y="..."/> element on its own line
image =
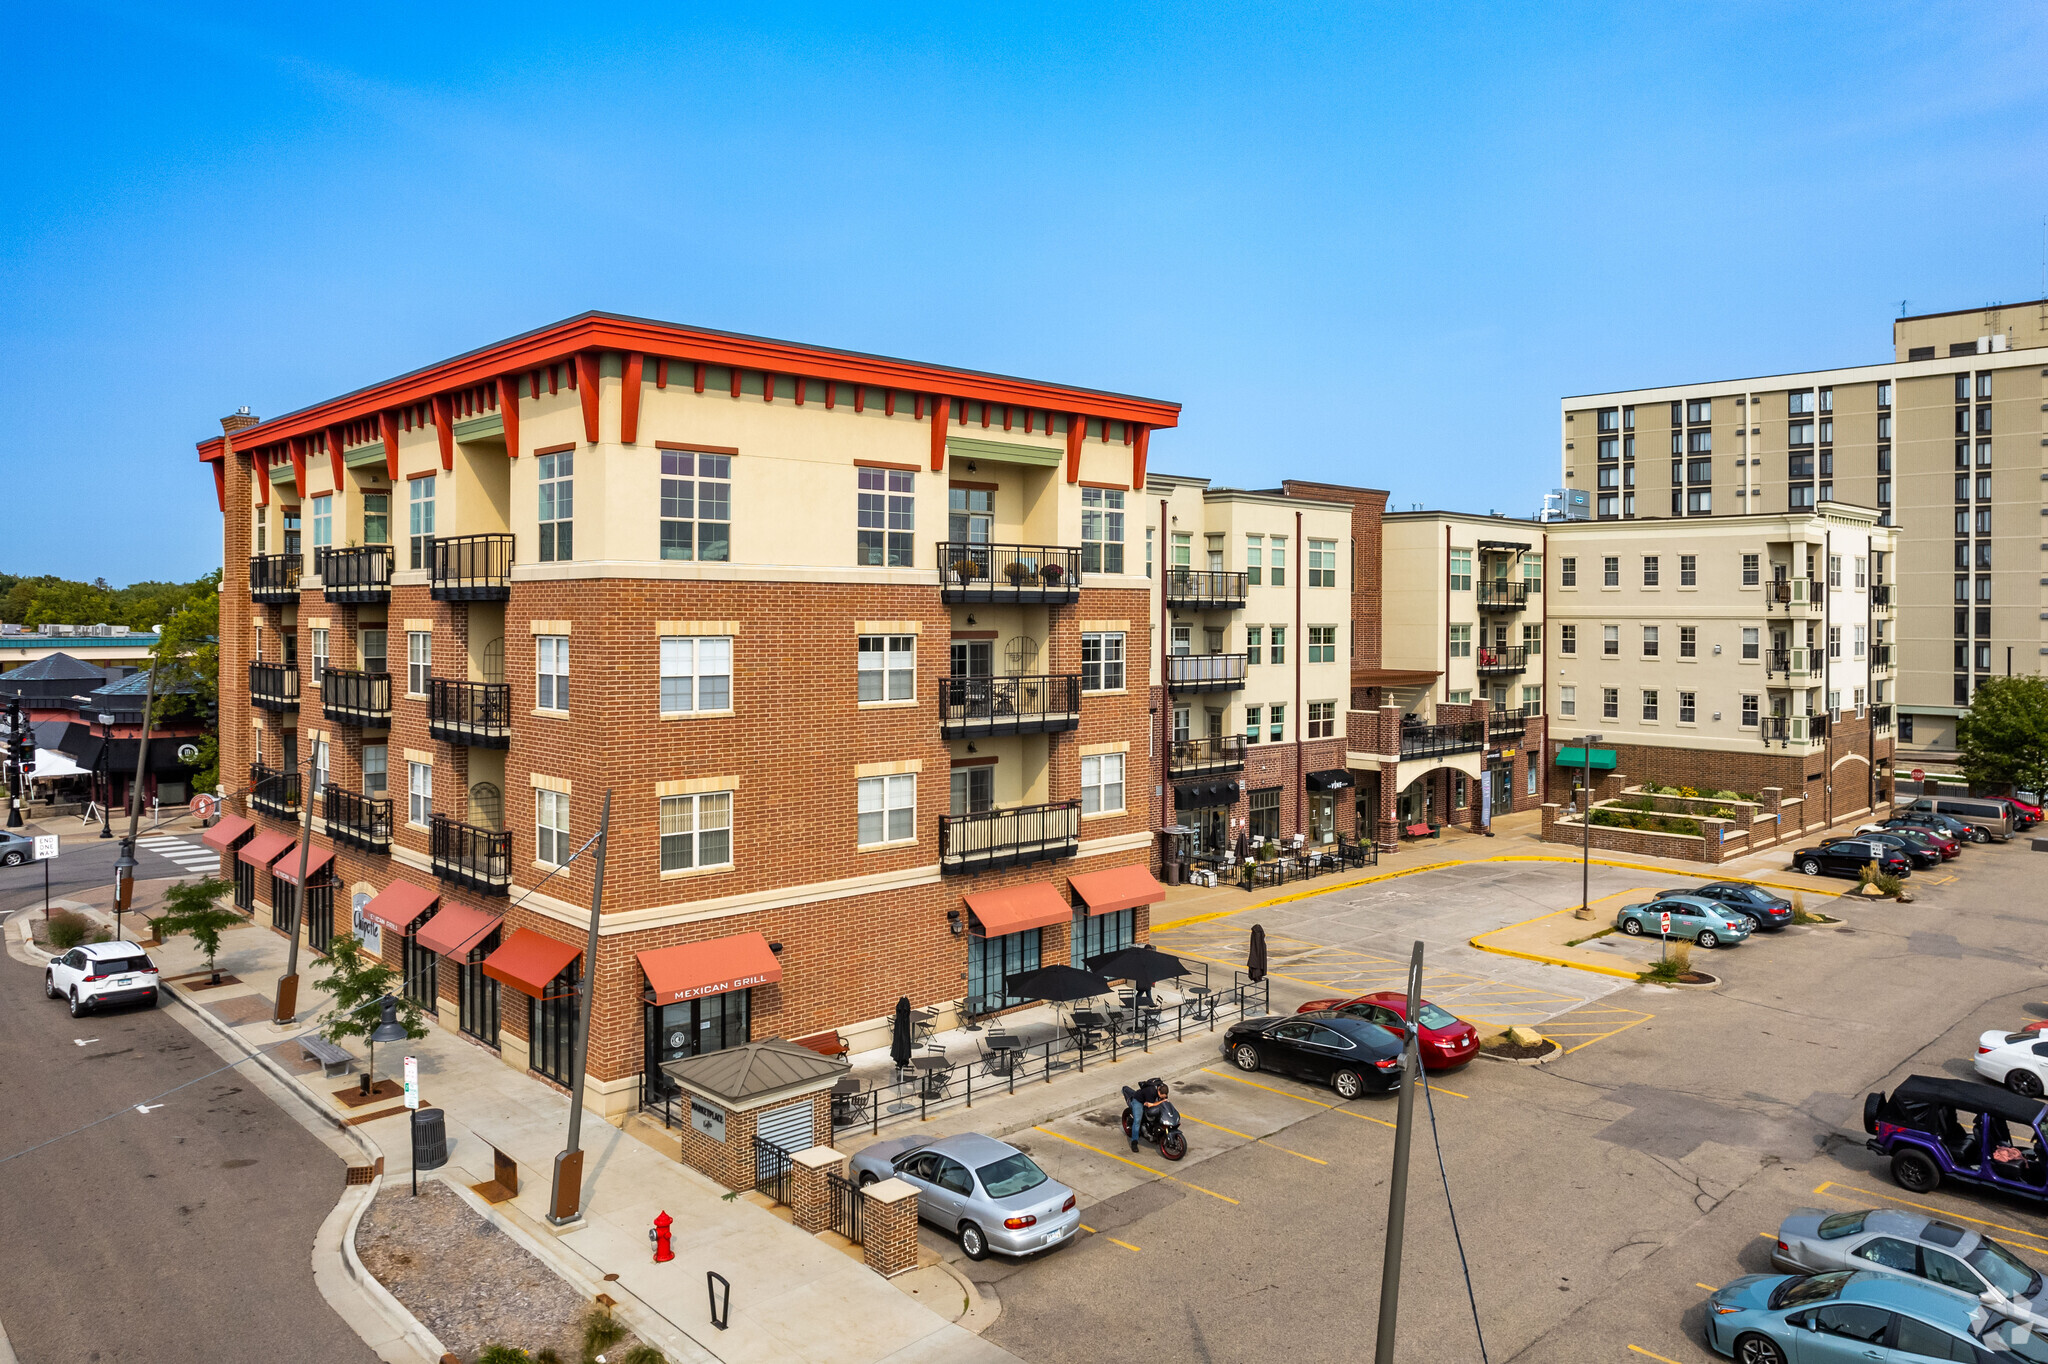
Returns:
<point x="565" y="1199"/>
<point x="1585" y="909"/>
<point x="124" y="865"/>
<point x="1397" y="1192"/>
<point x="288" y="984"/>
<point x="16" y="780"/>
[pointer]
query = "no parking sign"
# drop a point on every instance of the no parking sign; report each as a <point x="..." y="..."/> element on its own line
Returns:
<point x="1666" y="918"/>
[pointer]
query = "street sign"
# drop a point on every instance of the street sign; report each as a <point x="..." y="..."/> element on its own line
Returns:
<point x="1919" y="775"/>
<point x="1666" y="926"/>
<point x="205" y="807"/>
<point x="412" y="1082"/>
<point x="46" y="847"/>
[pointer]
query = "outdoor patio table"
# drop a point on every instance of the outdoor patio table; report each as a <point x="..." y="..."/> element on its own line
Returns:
<point x="1200" y="995"/>
<point x="1000" y="1059"/>
<point x="934" y="1069"/>
<point x="1087" y="1021"/>
<point x="849" y="1103"/>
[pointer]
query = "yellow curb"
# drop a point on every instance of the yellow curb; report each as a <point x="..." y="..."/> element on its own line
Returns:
<point x="1302" y="895"/>
<point x="1554" y="961"/>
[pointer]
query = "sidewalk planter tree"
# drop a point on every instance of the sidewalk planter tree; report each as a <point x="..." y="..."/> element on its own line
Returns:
<point x="194" y="908"/>
<point x="357" y="981"/>
<point x="2004" y="736"/>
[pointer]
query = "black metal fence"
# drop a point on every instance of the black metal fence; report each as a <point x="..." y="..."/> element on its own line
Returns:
<point x="352" y="697"/>
<point x="275" y="577"/>
<point x="1494" y="661"/>
<point x="1205" y="672"/>
<point x="274" y="791"/>
<point x="974" y="572"/>
<point x="1198" y="757"/>
<point x="1501" y="594"/>
<point x="355" y="573"/>
<point x="472" y="568"/>
<point x="1006" y="838"/>
<point x="844" y="1200"/>
<point x="474" y="714"/>
<point x="469" y="856"/>
<point x="273" y="686"/>
<point x="1435" y="741"/>
<point x="357" y="820"/>
<point x="1197" y="588"/>
<point x="1009" y="705"/>
<point x="771" y="1170"/>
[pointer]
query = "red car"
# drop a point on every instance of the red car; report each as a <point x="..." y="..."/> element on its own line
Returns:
<point x="1447" y="1042"/>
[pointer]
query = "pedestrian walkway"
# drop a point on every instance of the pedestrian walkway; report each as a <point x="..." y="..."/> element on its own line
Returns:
<point x="192" y="857"/>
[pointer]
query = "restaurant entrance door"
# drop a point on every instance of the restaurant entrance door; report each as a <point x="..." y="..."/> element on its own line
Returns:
<point x="690" y="1028"/>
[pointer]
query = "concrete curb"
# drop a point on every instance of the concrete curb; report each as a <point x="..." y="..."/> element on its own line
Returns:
<point x="1550" y="961"/>
<point x="410" y="1342"/>
<point x="1556" y="1050"/>
<point x="983" y="1310"/>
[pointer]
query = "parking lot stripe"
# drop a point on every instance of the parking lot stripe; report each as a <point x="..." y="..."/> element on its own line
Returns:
<point x="1249" y="1137"/>
<point x="1653" y="1354"/>
<point x="1299" y="1098"/>
<point x="1158" y="1174"/>
<point x="1125" y="1244"/>
<point x="1304" y="895"/>
<point x="1560" y="1028"/>
<point x="1709" y="1287"/>
<point x="1828" y="1188"/>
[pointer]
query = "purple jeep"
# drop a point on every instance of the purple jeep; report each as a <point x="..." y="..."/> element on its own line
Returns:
<point x="1935" y="1129"/>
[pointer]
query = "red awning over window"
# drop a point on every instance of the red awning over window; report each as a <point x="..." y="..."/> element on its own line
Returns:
<point x="456" y="929"/>
<point x="287" y="868"/>
<point x="1017" y="908"/>
<point x="529" y="960"/>
<point x="1105" y="892"/>
<point x="224" y="835"/>
<point x="264" y="849"/>
<point x="399" y="904"/>
<point x="692" y="970"/>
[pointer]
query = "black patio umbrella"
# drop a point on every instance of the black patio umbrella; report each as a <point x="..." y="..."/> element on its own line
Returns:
<point x="1255" y="959"/>
<point x="899" y="1039"/>
<point x="1143" y="965"/>
<point x="1057" y="984"/>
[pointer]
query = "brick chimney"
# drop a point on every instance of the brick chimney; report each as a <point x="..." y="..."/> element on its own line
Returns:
<point x="241" y="418"/>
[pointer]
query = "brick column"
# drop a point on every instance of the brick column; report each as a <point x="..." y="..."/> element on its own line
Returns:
<point x="1389" y="829"/>
<point x="809" y="1193"/>
<point x="889" y="1227"/>
<point x="1716" y="849"/>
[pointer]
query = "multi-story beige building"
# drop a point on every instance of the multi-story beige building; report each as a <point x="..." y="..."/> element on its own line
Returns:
<point x="1945" y="441"/>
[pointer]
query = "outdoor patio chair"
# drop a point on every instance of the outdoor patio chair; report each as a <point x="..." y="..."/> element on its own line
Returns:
<point x="922" y="1024"/>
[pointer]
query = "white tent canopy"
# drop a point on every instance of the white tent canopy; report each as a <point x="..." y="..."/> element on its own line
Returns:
<point x="53" y="763"/>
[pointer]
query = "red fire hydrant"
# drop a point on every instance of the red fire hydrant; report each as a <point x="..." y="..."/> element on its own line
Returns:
<point x="662" y="1251"/>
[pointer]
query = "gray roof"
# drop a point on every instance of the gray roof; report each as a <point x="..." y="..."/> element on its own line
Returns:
<point x="55" y="666"/>
<point x="136" y="684"/>
<point x="741" y="1073"/>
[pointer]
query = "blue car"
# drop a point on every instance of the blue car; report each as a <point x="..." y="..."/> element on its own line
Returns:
<point x="1705" y="923"/>
<point x="1852" y="1318"/>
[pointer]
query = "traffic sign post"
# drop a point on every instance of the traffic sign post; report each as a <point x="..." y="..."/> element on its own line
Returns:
<point x="47" y="848"/>
<point x="1664" y="936"/>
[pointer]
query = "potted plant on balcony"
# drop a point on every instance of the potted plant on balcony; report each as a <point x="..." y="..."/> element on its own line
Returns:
<point x="1052" y="573"/>
<point x="966" y="570"/>
<point x="1017" y="571"/>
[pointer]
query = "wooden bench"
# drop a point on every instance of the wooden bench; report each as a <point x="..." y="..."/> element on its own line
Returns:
<point x="332" y="1058"/>
<point x="824" y="1043"/>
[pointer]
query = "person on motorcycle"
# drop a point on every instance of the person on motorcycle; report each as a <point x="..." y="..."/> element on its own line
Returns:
<point x="1143" y="1099"/>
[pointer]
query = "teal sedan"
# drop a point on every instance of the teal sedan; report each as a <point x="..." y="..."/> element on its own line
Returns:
<point x="1699" y="921"/>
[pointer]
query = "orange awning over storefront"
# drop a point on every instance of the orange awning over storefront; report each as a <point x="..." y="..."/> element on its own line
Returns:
<point x="692" y="970"/>
<point x="399" y="904"/>
<point x="264" y="849"/>
<point x="1105" y="892"/>
<point x="456" y="929"/>
<point x="287" y="868"/>
<point x="529" y="961"/>
<point x="223" y="836"/>
<point x="1017" y="908"/>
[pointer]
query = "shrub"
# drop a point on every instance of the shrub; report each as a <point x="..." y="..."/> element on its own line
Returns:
<point x="192" y="908"/>
<point x="1689" y="792"/>
<point x="1886" y="883"/>
<point x="601" y="1331"/>
<point x="1723" y="812"/>
<point x="68" y="929"/>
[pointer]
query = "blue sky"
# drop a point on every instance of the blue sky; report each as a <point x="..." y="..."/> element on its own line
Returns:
<point x="1372" y="244"/>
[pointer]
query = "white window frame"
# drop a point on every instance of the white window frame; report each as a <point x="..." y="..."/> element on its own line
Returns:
<point x="1568" y="701"/>
<point x="685" y="823"/>
<point x="1322" y="563"/>
<point x="1103" y="665"/>
<point x="419" y="661"/>
<point x="700" y="665"/>
<point x="551" y="827"/>
<point x="319" y="767"/>
<point x="887" y="665"/>
<point x="319" y="655"/>
<point x="890" y="802"/>
<point x="1102" y="775"/>
<point x="551" y="673"/>
<point x="419" y="794"/>
<point x="1459" y="642"/>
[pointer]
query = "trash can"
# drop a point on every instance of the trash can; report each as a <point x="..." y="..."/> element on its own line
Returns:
<point x="1169" y="873"/>
<point x="429" y="1139"/>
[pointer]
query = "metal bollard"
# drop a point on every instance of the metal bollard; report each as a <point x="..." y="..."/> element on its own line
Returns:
<point x="721" y="1307"/>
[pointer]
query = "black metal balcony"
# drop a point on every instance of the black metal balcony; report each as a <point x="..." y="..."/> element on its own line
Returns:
<point x="1205" y="672"/>
<point x="274" y="577"/>
<point x="1498" y="662"/>
<point x="1788" y="661"/>
<point x="1009" y="838"/>
<point x="1881" y="718"/>
<point x="274" y="791"/>
<point x="478" y="858"/>
<point x="1437" y="741"/>
<point x="355" y="573"/>
<point x="1195" y="589"/>
<point x="1881" y="595"/>
<point x="351" y="697"/>
<point x="1511" y="723"/>
<point x="1043" y="574"/>
<point x="1206" y="757"/>
<point x="1880" y="657"/>
<point x="472" y="568"/>
<point x="359" y="821"/>
<point x="1501" y="594"/>
<point x="473" y="714"/>
<point x="972" y="706"/>
<point x="273" y="686"/>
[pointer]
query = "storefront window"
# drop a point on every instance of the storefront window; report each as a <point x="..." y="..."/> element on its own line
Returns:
<point x="1322" y="817"/>
<point x="1100" y="934"/>
<point x="479" y="994"/>
<point x="551" y="1027"/>
<point x="992" y="961"/>
<point x="693" y="1027"/>
<point x="1265" y="814"/>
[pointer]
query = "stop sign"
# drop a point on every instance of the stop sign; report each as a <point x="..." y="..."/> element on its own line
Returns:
<point x="1919" y="775"/>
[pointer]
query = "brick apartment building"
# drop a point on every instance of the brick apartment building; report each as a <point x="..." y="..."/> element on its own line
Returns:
<point x="761" y="595"/>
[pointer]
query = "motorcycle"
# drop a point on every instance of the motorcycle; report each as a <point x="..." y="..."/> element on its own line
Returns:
<point x="1162" y="1124"/>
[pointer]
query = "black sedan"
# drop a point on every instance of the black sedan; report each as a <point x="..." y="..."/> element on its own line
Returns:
<point x="1848" y="856"/>
<point x="1921" y="850"/>
<point x="1759" y="906"/>
<point x="1348" y="1054"/>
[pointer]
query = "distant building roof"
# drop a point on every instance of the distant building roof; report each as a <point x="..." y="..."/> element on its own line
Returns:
<point x="56" y="667"/>
<point x="738" y="1074"/>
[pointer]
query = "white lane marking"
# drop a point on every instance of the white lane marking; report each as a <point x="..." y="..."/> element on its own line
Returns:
<point x="144" y="1108"/>
<point x="83" y="1041"/>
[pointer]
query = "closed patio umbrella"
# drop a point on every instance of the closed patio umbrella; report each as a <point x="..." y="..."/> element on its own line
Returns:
<point x="1255" y="959"/>
<point x="1143" y="965"/>
<point x="899" y="1039"/>
<point x="1057" y="984"/>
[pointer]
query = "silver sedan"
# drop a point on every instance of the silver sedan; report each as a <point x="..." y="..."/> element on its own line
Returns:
<point x="1911" y="1245"/>
<point x="986" y="1192"/>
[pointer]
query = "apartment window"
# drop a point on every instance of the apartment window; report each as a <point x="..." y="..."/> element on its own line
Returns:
<point x="1962" y="487"/>
<point x="1568" y="701"/>
<point x="1749" y="711"/>
<point x="1277" y="638"/>
<point x="696" y="673"/>
<point x="551" y="672"/>
<point x="1567" y="639"/>
<point x="1532" y="640"/>
<point x="1983" y="521"/>
<point x="263" y="530"/>
<point x="1906" y="729"/>
<point x="1461" y="570"/>
<point x="1102" y="530"/>
<point x="1962" y="590"/>
<point x="1265" y="814"/>
<point x="1102" y="783"/>
<point x="886" y="516"/>
<point x="1884" y="493"/>
<point x="376" y="769"/>
<point x="1253" y="637"/>
<point x="1751" y="570"/>
<point x="1799" y="433"/>
<point x="1827" y="400"/>
<point x="370" y="645"/>
<point x="419" y="793"/>
<point x="1750" y="645"/>
<point x="1649" y="641"/>
<point x="1983" y="559"/>
<point x="1835" y="703"/>
<point x="1827" y="430"/>
<point x="1322" y="644"/>
<point x="1834" y="570"/>
<point x="1699" y="443"/>
<point x="1799" y="466"/>
<point x="1798" y="404"/>
<point x="973" y="790"/>
<point x="1649" y="705"/>
<point x="1861" y="639"/>
<point x="1610" y="419"/>
<point x="1983" y="384"/>
<point x="1279" y="563"/>
<point x="551" y="828"/>
<point x="1610" y="571"/>
<point x="319" y="655"/>
<point x="1884" y="394"/>
<point x="1688" y="712"/>
<point x="1610" y="703"/>
<point x="419" y="661"/>
<point x="1102" y="661"/>
<point x="1649" y="570"/>
<point x="1688" y="641"/>
<point x="1322" y="563"/>
<point x="1628" y="419"/>
<point x="1254" y="559"/>
<point x="1698" y="471"/>
<point x="1276" y="723"/>
<point x="376" y="518"/>
<point x="1983" y="454"/>
<point x="1461" y="641"/>
<point x="1252" y="716"/>
<point x="323" y="522"/>
<point x="1700" y="410"/>
<point x="888" y="808"/>
<point x="1862" y="572"/>
<point x="1800" y="496"/>
<point x="1148" y="551"/>
<point x="1983" y="421"/>
<point x="1834" y="641"/>
<point x="1532" y="572"/>
<point x="1610" y="477"/>
<point x="1568" y="571"/>
<point x="696" y="506"/>
<point x="1458" y="698"/>
<point x="291" y="529"/>
<point x="887" y="668"/>
<point x="319" y="767"/>
<point x="1610" y="641"/>
<point x="1983" y="487"/>
<point x="696" y="831"/>
<point x="1962" y="546"/>
<point x="419" y="521"/>
<point x="1607" y="505"/>
<point x="558" y="506"/>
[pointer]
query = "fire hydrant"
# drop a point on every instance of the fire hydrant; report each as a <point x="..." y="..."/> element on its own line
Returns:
<point x="662" y="1251"/>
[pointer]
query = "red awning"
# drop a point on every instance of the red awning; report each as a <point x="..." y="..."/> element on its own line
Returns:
<point x="399" y="904"/>
<point x="264" y="849"/>
<point x="232" y="829"/>
<point x="317" y="859"/>
<point x="529" y="961"/>
<point x="694" y="969"/>
<point x="456" y="929"/>
<point x="1018" y="908"/>
<point x="1105" y="892"/>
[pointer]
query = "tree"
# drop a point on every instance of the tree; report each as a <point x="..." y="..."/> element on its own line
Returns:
<point x="187" y="660"/>
<point x="194" y="908"/>
<point x="357" y="981"/>
<point x="2004" y="736"/>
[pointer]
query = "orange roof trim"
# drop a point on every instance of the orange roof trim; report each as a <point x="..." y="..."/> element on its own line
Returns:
<point x="1106" y="892"/>
<point x="692" y="970"/>
<point x="1018" y="908"/>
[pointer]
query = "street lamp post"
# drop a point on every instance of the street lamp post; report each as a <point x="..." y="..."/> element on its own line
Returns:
<point x="106" y="775"/>
<point x="124" y="867"/>
<point x="1585" y="910"/>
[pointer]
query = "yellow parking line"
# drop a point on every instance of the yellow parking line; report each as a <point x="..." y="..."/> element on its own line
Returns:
<point x="1299" y="1098"/>
<point x="1653" y="1354"/>
<point x="1938" y="1212"/>
<point x="1085" y="1227"/>
<point x="1138" y="1164"/>
<point x="1605" y="1035"/>
<point x="1709" y="1287"/>
<point x="1125" y="1244"/>
<point x="1249" y="1137"/>
<point x="1439" y="1089"/>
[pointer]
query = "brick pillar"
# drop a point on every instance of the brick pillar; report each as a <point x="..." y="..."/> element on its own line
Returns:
<point x="1716" y="849"/>
<point x="889" y="1227"/>
<point x="810" y="1195"/>
<point x="1390" y="746"/>
<point x="1550" y="813"/>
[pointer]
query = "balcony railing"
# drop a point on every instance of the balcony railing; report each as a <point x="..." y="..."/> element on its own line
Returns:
<point x="970" y="706"/>
<point x="274" y="577"/>
<point x="351" y="697"/>
<point x="472" y="568"/>
<point x="1881" y="596"/>
<point x="1510" y="724"/>
<point x="1880" y="658"/>
<point x="359" y="821"/>
<point x="1207" y="756"/>
<point x="1205" y="672"/>
<point x="1007" y="838"/>
<point x="1881" y="719"/>
<point x="1502" y="594"/>
<point x="1204" y="589"/>
<point x="473" y="714"/>
<point x="273" y="686"/>
<point x="478" y="858"/>
<point x="1437" y="741"/>
<point x="971" y="572"/>
<point x="355" y="573"/>
<point x="274" y="791"/>
<point x="1787" y="728"/>
<point x="1792" y="592"/>
<point x="1495" y="662"/>
<point x="1791" y="662"/>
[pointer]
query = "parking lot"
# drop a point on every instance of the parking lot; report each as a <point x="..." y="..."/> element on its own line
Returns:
<point x="1594" y="1194"/>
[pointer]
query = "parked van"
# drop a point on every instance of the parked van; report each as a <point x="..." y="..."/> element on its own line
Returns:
<point x="1987" y="815"/>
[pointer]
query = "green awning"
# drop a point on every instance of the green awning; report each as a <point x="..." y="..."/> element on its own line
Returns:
<point x="1603" y="759"/>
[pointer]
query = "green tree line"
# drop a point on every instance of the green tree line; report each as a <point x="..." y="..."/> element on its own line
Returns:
<point x="43" y="599"/>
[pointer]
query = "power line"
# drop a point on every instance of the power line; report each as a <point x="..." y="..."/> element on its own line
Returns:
<point x="1463" y="1264"/>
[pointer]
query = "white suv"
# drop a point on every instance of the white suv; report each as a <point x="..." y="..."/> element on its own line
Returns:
<point x="102" y="973"/>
